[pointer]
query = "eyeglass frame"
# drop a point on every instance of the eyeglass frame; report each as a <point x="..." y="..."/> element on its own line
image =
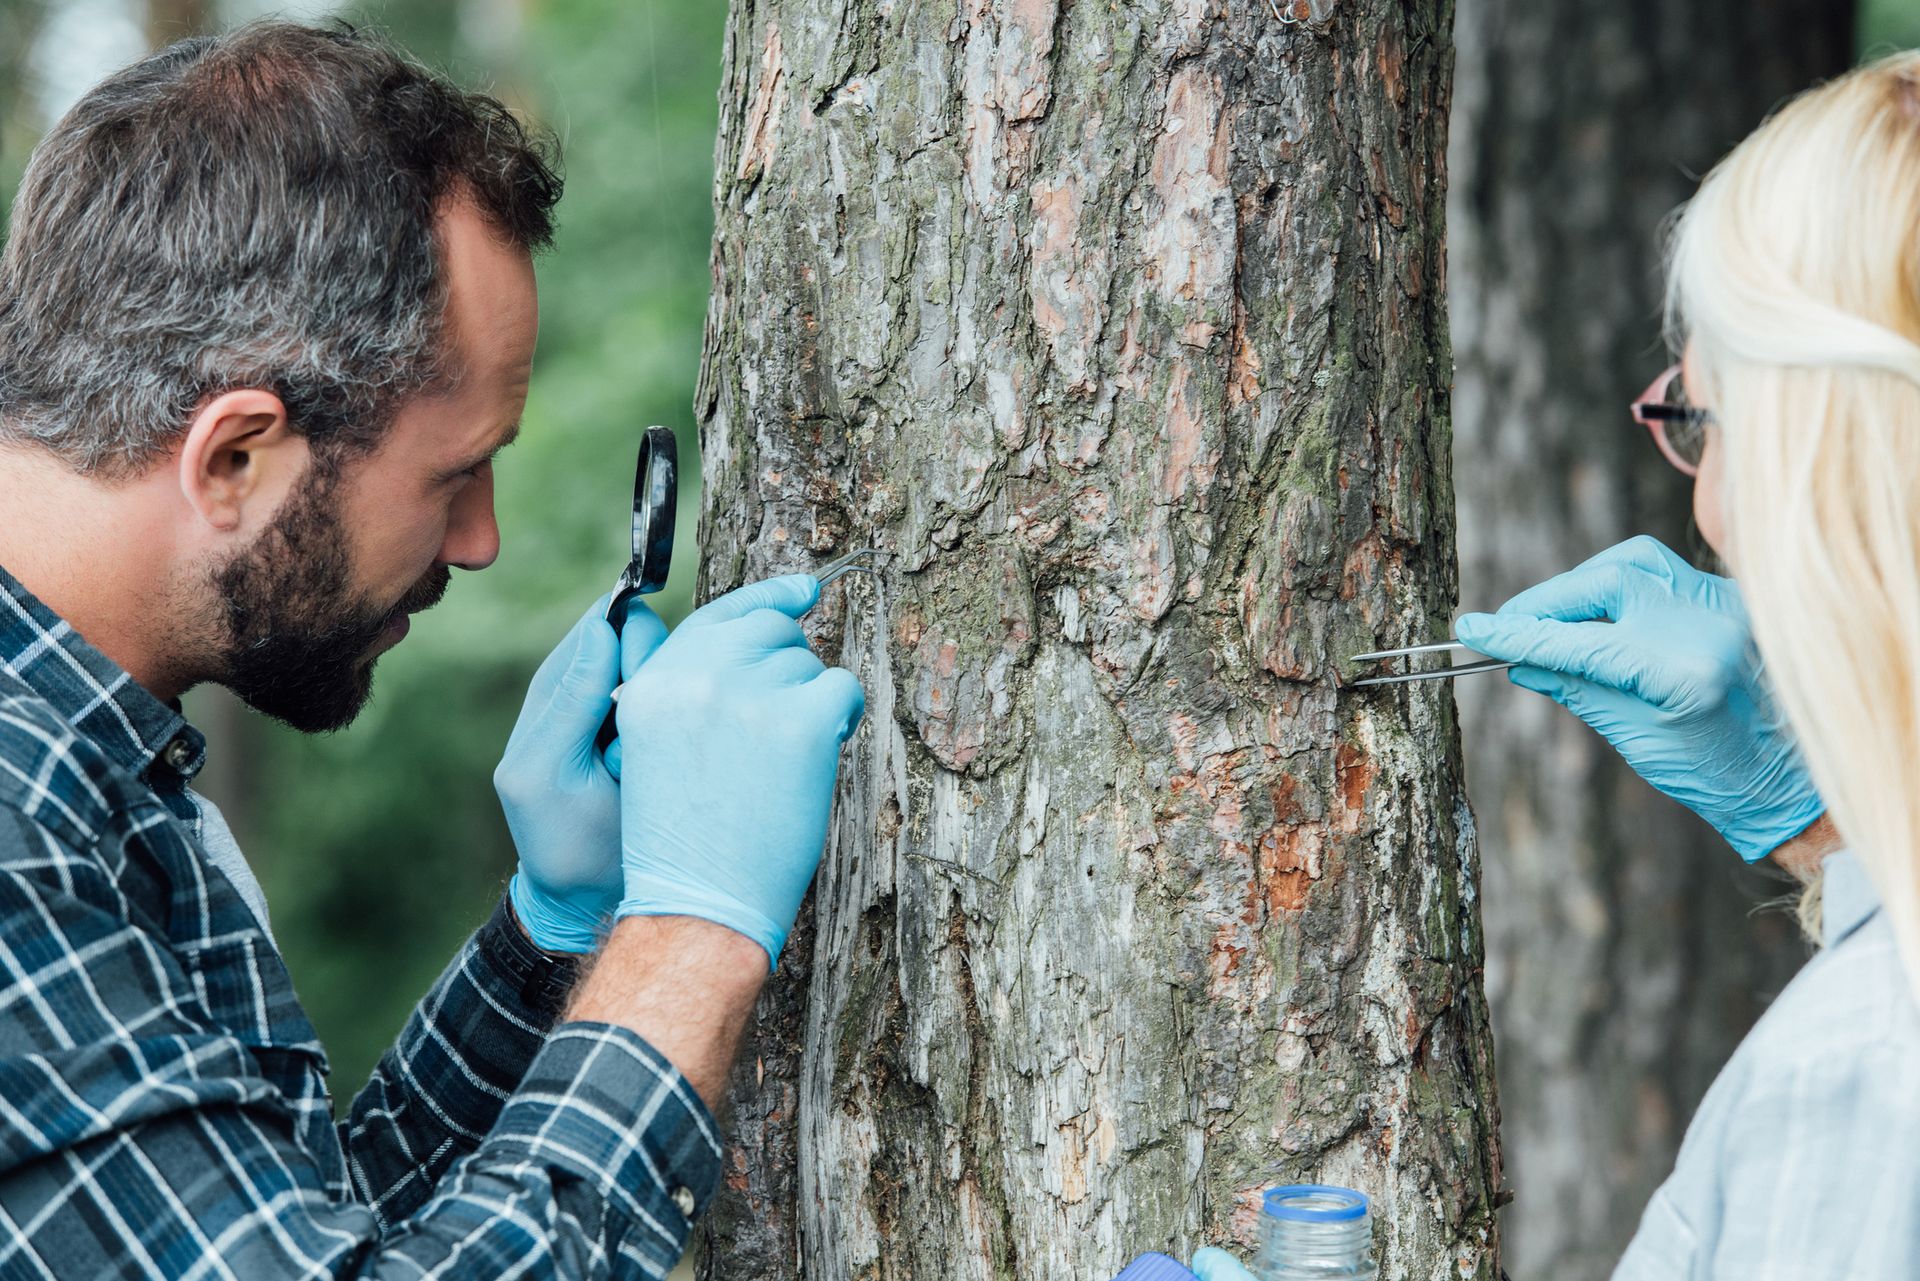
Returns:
<point x="1652" y="411"/>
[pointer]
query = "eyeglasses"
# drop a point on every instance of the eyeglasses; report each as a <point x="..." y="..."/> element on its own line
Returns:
<point x="1678" y="428"/>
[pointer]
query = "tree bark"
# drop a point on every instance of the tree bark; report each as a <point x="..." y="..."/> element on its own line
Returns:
<point x="1625" y="959"/>
<point x="1120" y="329"/>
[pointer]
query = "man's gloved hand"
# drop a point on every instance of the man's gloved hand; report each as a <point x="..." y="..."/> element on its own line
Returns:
<point x="1659" y="658"/>
<point x="731" y="738"/>
<point x="561" y="803"/>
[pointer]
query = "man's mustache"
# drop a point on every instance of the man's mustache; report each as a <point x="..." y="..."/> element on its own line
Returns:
<point x="426" y="593"/>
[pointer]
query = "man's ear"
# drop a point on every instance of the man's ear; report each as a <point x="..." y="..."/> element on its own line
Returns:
<point x="240" y="454"/>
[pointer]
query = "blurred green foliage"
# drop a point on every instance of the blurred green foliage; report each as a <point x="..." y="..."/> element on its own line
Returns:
<point x="1886" y="25"/>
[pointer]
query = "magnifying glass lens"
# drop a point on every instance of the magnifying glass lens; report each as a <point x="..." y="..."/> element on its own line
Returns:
<point x="655" y="487"/>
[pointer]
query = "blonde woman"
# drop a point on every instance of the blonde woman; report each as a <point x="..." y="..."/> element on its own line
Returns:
<point x="1794" y="286"/>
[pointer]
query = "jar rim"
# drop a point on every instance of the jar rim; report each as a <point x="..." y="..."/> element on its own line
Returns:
<point x="1315" y="1203"/>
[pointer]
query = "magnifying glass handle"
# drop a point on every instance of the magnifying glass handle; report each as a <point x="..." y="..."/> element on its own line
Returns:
<point x="617" y="615"/>
<point x="655" y="487"/>
<point x="608" y="729"/>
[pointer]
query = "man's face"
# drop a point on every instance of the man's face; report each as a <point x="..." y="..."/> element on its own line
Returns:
<point x="329" y="585"/>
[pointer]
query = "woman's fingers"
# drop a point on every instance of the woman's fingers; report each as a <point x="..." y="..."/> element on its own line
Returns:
<point x="1211" y="1264"/>
<point x="1600" y="706"/>
<point x="1604" y="585"/>
<point x="1600" y="652"/>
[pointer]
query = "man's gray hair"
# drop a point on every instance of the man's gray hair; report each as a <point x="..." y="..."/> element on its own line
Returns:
<point x="249" y="210"/>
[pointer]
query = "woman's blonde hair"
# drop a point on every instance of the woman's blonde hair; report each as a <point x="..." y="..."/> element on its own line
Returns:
<point x="1795" y="274"/>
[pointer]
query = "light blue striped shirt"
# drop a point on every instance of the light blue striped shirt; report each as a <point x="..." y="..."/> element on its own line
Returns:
<point x="1803" y="1162"/>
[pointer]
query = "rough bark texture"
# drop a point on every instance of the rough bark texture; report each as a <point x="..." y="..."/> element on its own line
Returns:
<point x="1120" y="327"/>
<point x="1625" y="960"/>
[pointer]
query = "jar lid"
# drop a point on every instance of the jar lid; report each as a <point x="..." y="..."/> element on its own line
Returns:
<point x="1315" y="1203"/>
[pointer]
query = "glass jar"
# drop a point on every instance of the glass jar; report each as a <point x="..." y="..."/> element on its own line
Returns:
<point x="1312" y="1232"/>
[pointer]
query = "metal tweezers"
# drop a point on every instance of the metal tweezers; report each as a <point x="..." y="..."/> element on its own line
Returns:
<point x="1437" y="674"/>
<point x="847" y="565"/>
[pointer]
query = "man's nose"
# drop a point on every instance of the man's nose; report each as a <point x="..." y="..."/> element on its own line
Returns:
<point x="473" y="536"/>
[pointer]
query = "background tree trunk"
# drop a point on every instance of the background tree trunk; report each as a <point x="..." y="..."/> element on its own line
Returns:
<point x="1120" y="328"/>
<point x="1624" y="959"/>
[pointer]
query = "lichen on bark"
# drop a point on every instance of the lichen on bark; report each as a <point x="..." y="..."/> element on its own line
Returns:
<point x="1119" y="329"/>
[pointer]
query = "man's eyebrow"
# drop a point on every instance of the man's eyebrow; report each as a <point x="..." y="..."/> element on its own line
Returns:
<point x="512" y="434"/>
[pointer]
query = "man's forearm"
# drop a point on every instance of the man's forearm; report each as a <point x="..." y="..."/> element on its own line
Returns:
<point x="685" y="984"/>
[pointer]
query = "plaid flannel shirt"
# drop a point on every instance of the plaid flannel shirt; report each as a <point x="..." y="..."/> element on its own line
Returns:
<point x="163" y="1100"/>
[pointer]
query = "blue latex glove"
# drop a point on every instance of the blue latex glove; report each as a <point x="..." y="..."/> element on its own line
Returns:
<point x="1208" y="1265"/>
<point x="561" y="803"/>
<point x="1217" y="1265"/>
<point x="732" y="733"/>
<point x="1659" y="658"/>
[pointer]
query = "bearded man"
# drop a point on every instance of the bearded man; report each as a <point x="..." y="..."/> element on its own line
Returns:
<point x="267" y="314"/>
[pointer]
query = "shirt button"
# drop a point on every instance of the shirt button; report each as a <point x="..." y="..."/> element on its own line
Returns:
<point x="683" y="1197"/>
<point x="178" y="753"/>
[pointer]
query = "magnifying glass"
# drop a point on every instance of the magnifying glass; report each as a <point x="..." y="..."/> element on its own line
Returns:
<point x="655" y="487"/>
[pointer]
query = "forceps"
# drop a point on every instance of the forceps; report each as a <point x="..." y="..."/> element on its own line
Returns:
<point x="1437" y="674"/>
<point x="847" y="564"/>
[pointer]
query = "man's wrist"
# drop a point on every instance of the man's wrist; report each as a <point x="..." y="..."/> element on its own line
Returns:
<point x="558" y="954"/>
<point x="685" y="984"/>
<point x="542" y="980"/>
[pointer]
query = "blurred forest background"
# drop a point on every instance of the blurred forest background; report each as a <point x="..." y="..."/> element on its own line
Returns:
<point x="382" y="847"/>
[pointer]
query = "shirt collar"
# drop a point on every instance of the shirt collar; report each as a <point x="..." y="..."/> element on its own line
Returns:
<point x="1847" y="897"/>
<point x="102" y="702"/>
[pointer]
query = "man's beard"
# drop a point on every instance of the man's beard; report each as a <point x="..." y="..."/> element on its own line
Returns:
<point x="297" y="635"/>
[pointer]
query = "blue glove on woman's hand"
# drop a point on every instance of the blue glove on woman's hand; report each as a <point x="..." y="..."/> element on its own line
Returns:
<point x="1208" y="1265"/>
<point x="561" y="803"/>
<point x="1659" y="658"/>
<point x="1212" y="1264"/>
<point x="731" y="737"/>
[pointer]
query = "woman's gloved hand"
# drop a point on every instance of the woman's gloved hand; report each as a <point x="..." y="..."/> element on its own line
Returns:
<point x="1208" y="1265"/>
<point x="1211" y="1264"/>
<point x="731" y="735"/>
<point x="1659" y="658"/>
<point x="562" y="804"/>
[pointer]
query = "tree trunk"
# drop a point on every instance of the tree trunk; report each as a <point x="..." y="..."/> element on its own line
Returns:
<point x="1120" y="329"/>
<point x="1624" y="957"/>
